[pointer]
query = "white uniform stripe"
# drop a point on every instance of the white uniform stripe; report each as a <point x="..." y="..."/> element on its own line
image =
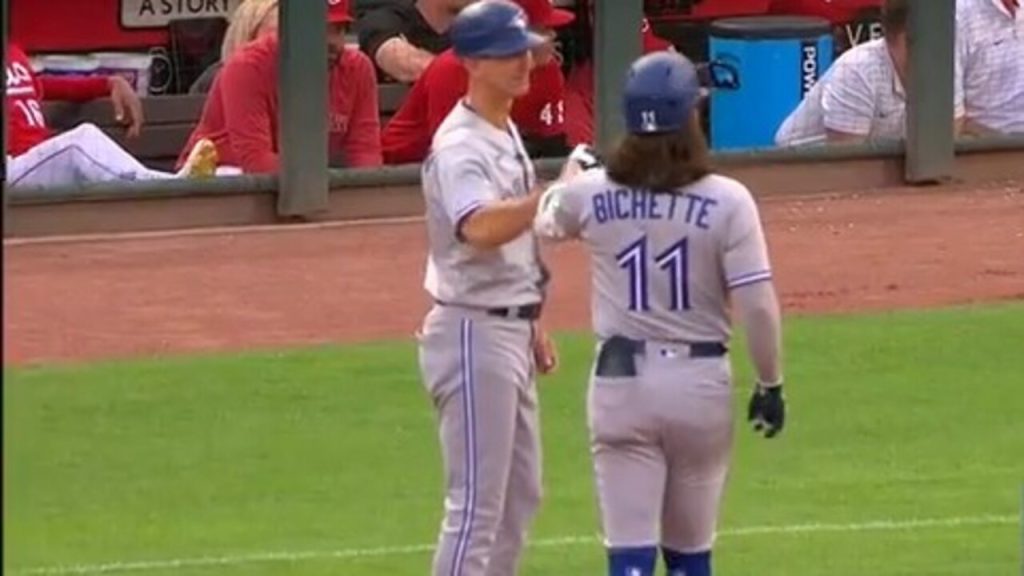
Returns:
<point x="21" y="90"/>
<point x="469" y="421"/>
<point x="752" y="277"/>
<point x="465" y="211"/>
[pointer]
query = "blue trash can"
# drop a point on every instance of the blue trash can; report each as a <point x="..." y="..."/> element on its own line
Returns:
<point x="778" y="58"/>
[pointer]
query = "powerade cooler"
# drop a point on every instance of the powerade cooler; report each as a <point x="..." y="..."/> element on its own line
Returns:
<point x="778" y="60"/>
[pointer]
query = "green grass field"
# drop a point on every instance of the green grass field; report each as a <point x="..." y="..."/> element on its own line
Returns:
<point x="904" y="455"/>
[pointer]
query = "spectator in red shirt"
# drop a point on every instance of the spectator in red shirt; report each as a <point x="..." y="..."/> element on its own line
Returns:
<point x="579" y="91"/>
<point x="36" y="157"/>
<point x="241" y="112"/>
<point x="253" y="19"/>
<point x="539" y="115"/>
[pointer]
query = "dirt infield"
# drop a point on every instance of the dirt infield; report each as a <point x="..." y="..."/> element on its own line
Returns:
<point x="235" y="290"/>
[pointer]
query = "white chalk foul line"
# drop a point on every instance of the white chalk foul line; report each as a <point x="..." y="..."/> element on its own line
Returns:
<point x="353" y="553"/>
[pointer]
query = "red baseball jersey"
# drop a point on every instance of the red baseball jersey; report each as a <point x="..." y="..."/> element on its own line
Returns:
<point x="540" y="113"/>
<point x="406" y="138"/>
<point x="25" y="93"/>
<point x="240" y="114"/>
<point x="23" y="100"/>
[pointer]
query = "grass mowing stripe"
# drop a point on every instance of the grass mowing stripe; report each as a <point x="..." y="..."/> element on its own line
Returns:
<point x="264" y="557"/>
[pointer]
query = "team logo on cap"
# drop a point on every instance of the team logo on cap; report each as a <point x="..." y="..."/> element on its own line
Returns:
<point x="648" y="121"/>
<point x="519" y="22"/>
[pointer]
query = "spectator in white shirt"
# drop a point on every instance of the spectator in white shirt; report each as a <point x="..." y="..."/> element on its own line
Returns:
<point x="861" y="97"/>
<point x="990" y="52"/>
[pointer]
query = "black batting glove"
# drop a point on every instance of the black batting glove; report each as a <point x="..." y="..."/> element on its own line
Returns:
<point x="767" y="410"/>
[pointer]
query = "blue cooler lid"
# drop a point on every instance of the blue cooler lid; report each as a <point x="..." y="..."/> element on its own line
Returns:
<point x="771" y="27"/>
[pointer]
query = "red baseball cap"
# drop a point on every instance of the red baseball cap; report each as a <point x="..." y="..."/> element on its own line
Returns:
<point x="651" y="41"/>
<point x="338" y="12"/>
<point x="543" y="13"/>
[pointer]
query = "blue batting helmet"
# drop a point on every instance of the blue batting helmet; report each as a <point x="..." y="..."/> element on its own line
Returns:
<point x="492" y="29"/>
<point x="661" y="90"/>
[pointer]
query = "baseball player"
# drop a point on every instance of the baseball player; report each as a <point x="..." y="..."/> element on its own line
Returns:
<point x="480" y="344"/>
<point x="85" y="154"/>
<point x="539" y="114"/>
<point x="672" y="246"/>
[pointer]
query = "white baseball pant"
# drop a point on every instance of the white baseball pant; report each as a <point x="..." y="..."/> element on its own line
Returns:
<point x="82" y="155"/>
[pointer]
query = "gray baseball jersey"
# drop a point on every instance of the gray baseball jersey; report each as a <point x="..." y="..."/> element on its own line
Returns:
<point x="663" y="263"/>
<point x="473" y="163"/>
<point x="477" y="366"/>
<point x="660" y="404"/>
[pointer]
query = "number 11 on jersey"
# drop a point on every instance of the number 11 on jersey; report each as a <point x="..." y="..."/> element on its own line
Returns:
<point x="671" y="261"/>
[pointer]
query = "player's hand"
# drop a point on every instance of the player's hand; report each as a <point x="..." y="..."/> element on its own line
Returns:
<point x="584" y="157"/>
<point x="570" y="170"/>
<point x="545" y="355"/>
<point x="767" y="410"/>
<point x="579" y="160"/>
<point x="127" y="105"/>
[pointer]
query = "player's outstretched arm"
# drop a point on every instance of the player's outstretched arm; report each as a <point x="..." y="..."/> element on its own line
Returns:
<point x="500" y="221"/>
<point x="559" y="213"/>
<point x="757" y="307"/>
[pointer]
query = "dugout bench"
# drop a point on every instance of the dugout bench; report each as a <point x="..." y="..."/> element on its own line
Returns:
<point x="169" y="120"/>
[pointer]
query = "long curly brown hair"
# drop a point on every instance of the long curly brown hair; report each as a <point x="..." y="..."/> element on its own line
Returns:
<point x="661" y="161"/>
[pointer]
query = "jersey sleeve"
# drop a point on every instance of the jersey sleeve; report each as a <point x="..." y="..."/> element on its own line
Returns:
<point x="848" y="100"/>
<point x="377" y="27"/>
<point x="560" y="213"/>
<point x="444" y="83"/>
<point x="463" y="184"/>
<point x="745" y="255"/>
<point x="74" y="89"/>
<point x="579" y="105"/>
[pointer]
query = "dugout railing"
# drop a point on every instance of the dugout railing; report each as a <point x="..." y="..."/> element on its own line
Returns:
<point x="393" y="192"/>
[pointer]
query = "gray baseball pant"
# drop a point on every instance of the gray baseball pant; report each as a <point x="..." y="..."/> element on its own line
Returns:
<point x="661" y="442"/>
<point x="479" y="372"/>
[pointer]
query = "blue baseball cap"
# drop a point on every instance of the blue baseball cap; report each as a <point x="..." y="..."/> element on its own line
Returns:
<point x="492" y="29"/>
